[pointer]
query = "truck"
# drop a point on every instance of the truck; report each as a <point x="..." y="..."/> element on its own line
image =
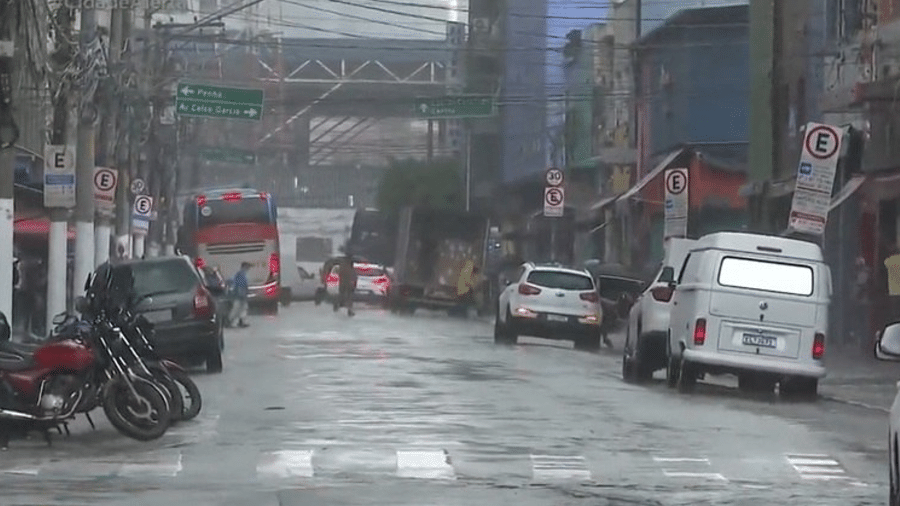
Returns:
<point x="434" y="248"/>
<point x="373" y="235"/>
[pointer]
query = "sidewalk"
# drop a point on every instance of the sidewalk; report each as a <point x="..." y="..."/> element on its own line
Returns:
<point x="856" y="377"/>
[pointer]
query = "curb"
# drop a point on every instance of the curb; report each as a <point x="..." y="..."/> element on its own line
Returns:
<point x="858" y="404"/>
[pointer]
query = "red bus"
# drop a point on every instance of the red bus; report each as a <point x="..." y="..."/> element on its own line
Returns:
<point x="223" y="228"/>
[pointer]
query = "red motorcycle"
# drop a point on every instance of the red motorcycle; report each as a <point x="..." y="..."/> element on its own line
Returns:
<point x="43" y="386"/>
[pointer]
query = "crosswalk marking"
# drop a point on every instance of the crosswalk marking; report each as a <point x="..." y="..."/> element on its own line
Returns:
<point x="286" y="464"/>
<point x="817" y="467"/>
<point x="686" y="474"/>
<point x="559" y="467"/>
<point x="425" y="464"/>
<point x="688" y="467"/>
<point x="679" y="459"/>
<point x="154" y="468"/>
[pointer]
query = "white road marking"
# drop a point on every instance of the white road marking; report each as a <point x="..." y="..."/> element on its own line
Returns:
<point x="167" y="467"/>
<point x="681" y="474"/>
<point x="286" y="464"/>
<point x="679" y="459"/>
<point x="433" y="465"/>
<point x="817" y="467"/>
<point x="559" y="467"/>
<point x="23" y="471"/>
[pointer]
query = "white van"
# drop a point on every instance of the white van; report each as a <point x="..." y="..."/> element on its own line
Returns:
<point x="751" y="305"/>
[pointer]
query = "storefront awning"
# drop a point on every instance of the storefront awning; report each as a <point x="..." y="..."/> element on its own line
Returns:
<point x="651" y="175"/>
<point x="849" y="189"/>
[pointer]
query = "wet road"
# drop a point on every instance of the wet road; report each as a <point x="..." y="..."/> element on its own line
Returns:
<point x="316" y="408"/>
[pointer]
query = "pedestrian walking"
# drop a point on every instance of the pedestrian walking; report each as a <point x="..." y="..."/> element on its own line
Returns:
<point x="346" y="284"/>
<point x="239" y="292"/>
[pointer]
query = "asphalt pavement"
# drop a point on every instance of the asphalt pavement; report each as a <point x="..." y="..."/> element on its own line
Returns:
<point x="316" y="408"/>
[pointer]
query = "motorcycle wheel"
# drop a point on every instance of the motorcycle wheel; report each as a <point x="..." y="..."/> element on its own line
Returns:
<point x="192" y="401"/>
<point x="144" y="418"/>
<point x="164" y="378"/>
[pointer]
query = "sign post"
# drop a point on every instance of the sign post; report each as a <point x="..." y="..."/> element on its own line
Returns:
<point x="815" y="179"/>
<point x="206" y="101"/>
<point x="554" y="203"/>
<point x="59" y="176"/>
<point x="677" y="203"/>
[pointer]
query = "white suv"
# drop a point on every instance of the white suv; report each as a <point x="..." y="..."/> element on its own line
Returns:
<point x="551" y="302"/>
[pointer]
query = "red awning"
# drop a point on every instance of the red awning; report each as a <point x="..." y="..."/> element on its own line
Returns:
<point x="37" y="227"/>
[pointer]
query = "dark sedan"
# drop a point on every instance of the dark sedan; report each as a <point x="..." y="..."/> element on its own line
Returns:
<point x="171" y="294"/>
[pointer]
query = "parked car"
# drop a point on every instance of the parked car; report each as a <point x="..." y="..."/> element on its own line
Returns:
<point x="647" y="323"/>
<point x="551" y="302"/>
<point x="299" y="284"/>
<point x="751" y="305"/>
<point x="887" y="348"/>
<point x="173" y="295"/>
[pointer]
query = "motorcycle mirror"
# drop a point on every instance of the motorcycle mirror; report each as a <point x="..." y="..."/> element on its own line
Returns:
<point x="81" y="304"/>
<point x="60" y="318"/>
<point x="5" y="331"/>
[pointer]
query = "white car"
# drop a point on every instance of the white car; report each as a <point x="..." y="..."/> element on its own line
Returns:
<point x="299" y="284"/>
<point x="372" y="282"/>
<point x="887" y="347"/>
<point x="551" y="302"/>
<point x="648" y="320"/>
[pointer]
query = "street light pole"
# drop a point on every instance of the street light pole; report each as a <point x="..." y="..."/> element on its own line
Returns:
<point x="8" y="136"/>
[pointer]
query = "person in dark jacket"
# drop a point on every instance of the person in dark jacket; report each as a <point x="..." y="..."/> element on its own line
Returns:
<point x="346" y="284"/>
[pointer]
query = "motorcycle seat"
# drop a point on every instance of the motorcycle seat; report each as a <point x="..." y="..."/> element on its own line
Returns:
<point x="14" y="363"/>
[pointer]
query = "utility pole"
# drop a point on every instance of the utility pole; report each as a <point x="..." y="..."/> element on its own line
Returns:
<point x="104" y="217"/>
<point x="84" y="163"/>
<point x="764" y="79"/>
<point x="9" y="133"/>
<point x="61" y="134"/>
<point x="124" y="159"/>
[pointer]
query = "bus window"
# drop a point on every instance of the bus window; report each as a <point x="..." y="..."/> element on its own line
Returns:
<point x="247" y="210"/>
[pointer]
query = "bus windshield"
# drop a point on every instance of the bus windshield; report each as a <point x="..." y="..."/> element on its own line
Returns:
<point x="247" y="210"/>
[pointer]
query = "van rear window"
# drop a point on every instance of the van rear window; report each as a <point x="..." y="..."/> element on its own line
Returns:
<point x="777" y="277"/>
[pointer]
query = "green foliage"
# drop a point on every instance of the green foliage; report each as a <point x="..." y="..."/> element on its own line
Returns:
<point x="437" y="184"/>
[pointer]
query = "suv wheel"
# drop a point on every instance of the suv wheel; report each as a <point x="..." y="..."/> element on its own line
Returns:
<point x="687" y="377"/>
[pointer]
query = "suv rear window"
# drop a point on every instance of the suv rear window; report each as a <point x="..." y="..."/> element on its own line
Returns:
<point x="560" y="280"/>
<point x="365" y="270"/>
<point x="175" y="276"/>
<point x="777" y="277"/>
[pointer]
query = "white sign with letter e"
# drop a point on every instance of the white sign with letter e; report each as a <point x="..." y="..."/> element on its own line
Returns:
<point x="554" y="201"/>
<point x="105" y="180"/>
<point x="677" y="203"/>
<point x="815" y="178"/>
<point x="59" y="176"/>
<point x="141" y="214"/>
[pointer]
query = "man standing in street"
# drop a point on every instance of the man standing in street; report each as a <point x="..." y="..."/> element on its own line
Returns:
<point x="346" y="284"/>
<point x="239" y="291"/>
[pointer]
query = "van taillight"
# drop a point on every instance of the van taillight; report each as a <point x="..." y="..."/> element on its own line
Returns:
<point x="202" y="304"/>
<point x="528" y="289"/>
<point x="700" y="332"/>
<point x="200" y="262"/>
<point x="274" y="263"/>
<point x="662" y="293"/>
<point x="818" y="348"/>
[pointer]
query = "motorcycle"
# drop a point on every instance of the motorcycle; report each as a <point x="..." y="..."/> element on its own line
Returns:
<point x="43" y="386"/>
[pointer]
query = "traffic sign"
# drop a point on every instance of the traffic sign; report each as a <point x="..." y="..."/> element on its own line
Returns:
<point x="815" y="178"/>
<point x="677" y="204"/>
<point x="554" y="201"/>
<point x="555" y="177"/>
<point x="455" y="106"/>
<point x="138" y="186"/>
<point x="139" y="226"/>
<point x="822" y="142"/>
<point x="105" y="180"/>
<point x="219" y="102"/>
<point x="143" y="206"/>
<point x="228" y="155"/>
<point x="59" y="176"/>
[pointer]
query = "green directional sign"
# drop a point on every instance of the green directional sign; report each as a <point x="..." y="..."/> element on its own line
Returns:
<point x="455" y="106"/>
<point x="218" y="102"/>
<point x="228" y="155"/>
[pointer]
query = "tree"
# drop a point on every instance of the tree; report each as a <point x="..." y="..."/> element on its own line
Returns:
<point x="435" y="184"/>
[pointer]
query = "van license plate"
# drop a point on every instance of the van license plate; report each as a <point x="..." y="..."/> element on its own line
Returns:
<point x="557" y="318"/>
<point x="758" y="340"/>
